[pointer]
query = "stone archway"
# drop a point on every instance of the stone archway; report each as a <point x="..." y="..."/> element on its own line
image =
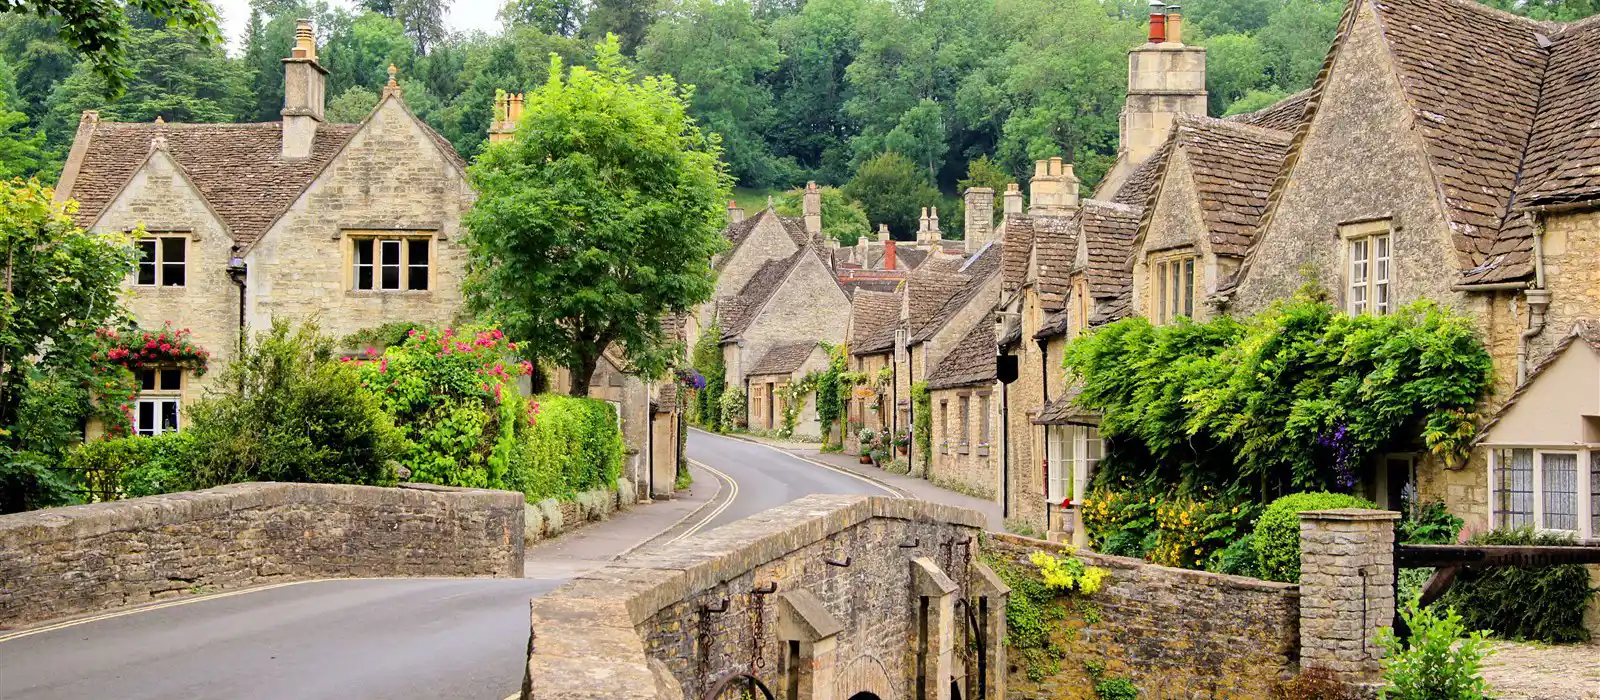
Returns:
<point x="864" y="679"/>
<point x="865" y="696"/>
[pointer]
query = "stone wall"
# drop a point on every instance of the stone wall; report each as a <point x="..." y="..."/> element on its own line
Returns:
<point x="827" y="587"/>
<point x="1347" y="582"/>
<point x="1175" y="633"/>
<point x="68" y="561"/>
<point x="973" y="468"/>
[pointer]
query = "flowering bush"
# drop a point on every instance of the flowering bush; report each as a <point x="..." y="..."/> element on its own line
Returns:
<point x="1189" y="531"/>
<point x="1068" y="574"/>
<point x="1120" y="522"/>
<point x="691" y="378"/>
<point x="167" y="347"/>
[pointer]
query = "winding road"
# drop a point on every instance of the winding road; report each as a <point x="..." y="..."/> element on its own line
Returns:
<point x="358" y="639"/>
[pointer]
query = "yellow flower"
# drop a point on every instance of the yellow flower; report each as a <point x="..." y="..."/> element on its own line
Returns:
<point x="1236" y="510"/>
<point x="1152" y="500"/>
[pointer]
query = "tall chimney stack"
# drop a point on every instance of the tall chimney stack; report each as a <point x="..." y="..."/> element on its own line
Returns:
<point x="978" y="223"/>
<point x="304" y="81"/>
<point x="888" y="255"/>
<point x="1054" y="189"/>
<point x="883" y="232"/>
<point x="1013" y="199"/>
<point x="735" y="212"/>
<point x="1165" y="79"/>
<point x="811" y="206"/>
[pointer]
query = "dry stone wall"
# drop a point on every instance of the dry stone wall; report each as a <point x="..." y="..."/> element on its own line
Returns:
<point x="68" y="561"/>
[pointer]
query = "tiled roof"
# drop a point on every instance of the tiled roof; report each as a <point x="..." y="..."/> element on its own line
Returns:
<point x="1283" y="115"/>
<point x="784" y="359"/>
<point x="970" y="362"/>
<point x="1113" y="309"/>
<point x="1018" y="245"/>
<point x="238" y="168"/>
<point x="1053" y="325"/>
<point x="1586" y="331"/>
<point x="1055" y="249"/>
<point x="1065" y="410"/>
<point x="1142" y="181"/>
<point x="1011" y="333"/>
<point x="1563" y="162"/>
<point x="912" y="257"/>
<point x="874" y="317"/>
<point x="851" y="286"/>
<point x="1109" y="230"/>
<point x="1234" y="166"/>
<point x="928" y="292"/>
<point x="756" y="292"/>
<point x="979" y="269"/>
<point x="738" y="231"/>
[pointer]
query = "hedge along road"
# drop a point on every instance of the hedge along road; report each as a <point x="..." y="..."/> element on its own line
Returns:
<point x="359" y="638"/>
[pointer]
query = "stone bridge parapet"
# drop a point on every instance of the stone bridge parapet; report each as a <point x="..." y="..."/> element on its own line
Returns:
<point x="827" y="597"/>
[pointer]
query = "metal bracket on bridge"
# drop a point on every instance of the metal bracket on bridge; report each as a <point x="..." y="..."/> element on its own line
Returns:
<point x="768" y="589"/>
<point x="719" y="608"/>
<point x="840" y="564"/>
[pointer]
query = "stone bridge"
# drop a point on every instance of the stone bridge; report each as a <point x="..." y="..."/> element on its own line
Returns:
<point x="853" y="598"/>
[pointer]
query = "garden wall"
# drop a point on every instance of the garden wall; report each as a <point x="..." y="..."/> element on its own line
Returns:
<point x="67" y="561"/>
<point x="1175" y="633"/>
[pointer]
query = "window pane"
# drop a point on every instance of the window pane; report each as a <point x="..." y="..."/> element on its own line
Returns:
<point x="172" y="250"/>
<point x="1594" y="494"/>
<point x="172" y="275"/>
<point x="363" y="277"/>
<point x="1161" y="293"/>
<point x="390" y="252"/>
<point x="147" y="379"/>
<point x="389" y="259"/>
<point x="1188" y="287"/>
<point x="1380" y="283"/>
<point x="364" y="251"/>
<point x="1055" y="462"/>
<point x="1513" y="488"/>
<point x="1560" y="487"/>
<point x="391" y="277"/>
<point x="147" y="262"/>
<point x="1176" y="302"/>
<point x="965" y="419"/>
<point x="169" y="416"/>
<point x="171" y="379"/>
<point x="417" y="258"/>
<point x="145" y="423"/>
<point x="363" y="263"/>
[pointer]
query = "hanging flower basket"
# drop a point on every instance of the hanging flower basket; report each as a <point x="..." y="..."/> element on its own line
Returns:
<point x="167" y="347"/>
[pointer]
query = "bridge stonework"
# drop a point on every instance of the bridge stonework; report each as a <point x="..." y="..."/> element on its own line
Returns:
<point x="825" y="598"/>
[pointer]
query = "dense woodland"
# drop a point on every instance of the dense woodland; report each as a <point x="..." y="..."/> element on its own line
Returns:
<point x="798" y="90"/>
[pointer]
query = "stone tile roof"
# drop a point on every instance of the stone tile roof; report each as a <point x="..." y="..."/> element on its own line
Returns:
<point x="1284" y="115"/>
<point x="238" y="168"/>
<point x="1053" y="325"/>
<point x="851" y="286"/>
<point x="1563" y="163"/>
<point x="1018" y="246"/>
<point x="1234" y="166"/>
<point x="739" y="230"/>
<point x="1109" y="230"/>
<point x="784" y="359"/>
<point x="979" y="269"/>
<point x="874" y="318"/>
<point x="928" y="292"/>
<point x="1055" y="250"/>
<point x="1142" y="181"/>
<point x="1586" y="331"/>
<point x="755" y="293"/>
<point x="970" y="362"/>
<point x="1113" y="309"/>
<point x="913" y="257"/>
<point x="1064" y="409"/>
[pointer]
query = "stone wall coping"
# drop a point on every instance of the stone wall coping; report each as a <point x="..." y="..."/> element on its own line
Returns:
<point x="1129" y="563"/>
<point x="1349" y="514"/>
<point x="71" y="522"/>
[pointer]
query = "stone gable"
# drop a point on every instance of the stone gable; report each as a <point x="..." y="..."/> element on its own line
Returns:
<point x="765" y="240"/>
<point x="808" y="305"/>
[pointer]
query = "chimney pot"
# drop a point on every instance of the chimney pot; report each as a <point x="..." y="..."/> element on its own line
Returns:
<point x="303" y="84"/>
<point x="1158" y="26"/>
<point x="1041" y="168"/>
<point x="1174" y="30"/>
<point x="888" y="255"/>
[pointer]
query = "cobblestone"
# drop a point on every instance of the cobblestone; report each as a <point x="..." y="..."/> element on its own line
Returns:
<point x="1521" y="671"/>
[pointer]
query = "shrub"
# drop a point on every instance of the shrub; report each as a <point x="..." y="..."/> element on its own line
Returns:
<point x="1438" y="662"/>
<point x="130" y="467"/>
<point x="574" y="445"/>
<point x="1543" y="603"/>
<point x="1236" y="559"/>
<point x="1190" y="530"/>
<point x="285" y="410"/>
<point x="1120" y="523"/>
<point x="731" y="407"/>
<point x="1428" y="523"/>
<point x="1315" y="684"/>
<point x="1068" y="574"/>
<point x="1277" y="533"/>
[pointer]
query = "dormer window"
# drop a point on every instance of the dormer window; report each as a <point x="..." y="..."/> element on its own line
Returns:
<point x="1368" y="270"/>
<point x="1173" y="281"/>
<point x="162" y="261"/>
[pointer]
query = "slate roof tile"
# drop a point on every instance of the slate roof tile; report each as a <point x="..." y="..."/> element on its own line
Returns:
<point x="1234" y="166"/>
<point x="784" y="359"/>
<point x="1283" y="115"/>
<point x="979" y="269"/>
<point x="1563" y="162"/>
<point x="971" y="362"/>
<point x="874" y="318"/>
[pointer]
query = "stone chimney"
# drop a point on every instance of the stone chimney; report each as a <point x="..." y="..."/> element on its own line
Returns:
<point x="979" y="221"/>
<point x="1054" y="189"/>
<point x="928" y="227"/>
<point x="811" y="207"/>
<point x="883" y="232"/>
<point x="304" y="81"/>
<point x="507" y="111"/>
<point x="1013" y="200"/>
<point x="735" y="212"/>
<point x="1165" y="79"/>
<point x="888" y="255"/>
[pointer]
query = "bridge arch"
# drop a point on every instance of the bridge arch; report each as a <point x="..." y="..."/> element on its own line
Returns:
<point x="864" y="679"/>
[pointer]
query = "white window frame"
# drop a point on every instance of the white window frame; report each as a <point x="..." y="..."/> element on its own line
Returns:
<point x="159" y="399"/>
<point x="1368" y="267"/>
<point x="1585" y="487"/>
<point x="1072" y="454"/>
<point x="404" y="266"/>
<point x="159" y="263"/>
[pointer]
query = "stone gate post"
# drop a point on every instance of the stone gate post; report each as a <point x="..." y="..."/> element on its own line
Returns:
<point x="1346" y="590"/>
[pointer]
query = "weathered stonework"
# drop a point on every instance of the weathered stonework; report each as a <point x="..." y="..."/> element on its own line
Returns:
<point x="68" y="561"/>
<point x="641" y="628"/>
<point x="1347" y="590"/>
<point x="966" y="466"/>
<point x="1174" y="633"/>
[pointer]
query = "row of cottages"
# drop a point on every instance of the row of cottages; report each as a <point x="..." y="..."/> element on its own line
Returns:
<point x="353" y="225"/>
<point x="1447" y="151"/>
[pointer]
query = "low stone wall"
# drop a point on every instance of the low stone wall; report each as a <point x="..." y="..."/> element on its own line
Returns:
<point x="551" y="517"/>
<point x="819" y="597"/>
<point x="67" y="561"/>
<point x="1175" y="633"/>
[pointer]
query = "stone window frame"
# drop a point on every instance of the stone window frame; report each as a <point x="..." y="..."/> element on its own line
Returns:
<point x="347" y="247"/>
<point x="1162" y="290"/>
<point x="159" y="265"/>
<point x="1078" y="310"/>
<point x="1587" y="487"/>
<point x="964" y="407"/>
<point x="159" y="395"/>
<point x="944" y="426"/>
<point x="986" y="426"/>
<point x="1369" y="234"/>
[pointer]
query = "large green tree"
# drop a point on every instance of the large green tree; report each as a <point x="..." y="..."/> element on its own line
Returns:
<point x="23" y="151"/>
<point x="842" y="219"/>
<point x="99" y="29"/>
<point x="600" y="217"/>
<point x="892" y="190"/>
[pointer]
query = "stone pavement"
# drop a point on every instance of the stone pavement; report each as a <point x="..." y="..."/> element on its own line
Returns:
<point x="1522" y="671"/>
<point x="909" y="486"/>
<point x="597" y="544"/>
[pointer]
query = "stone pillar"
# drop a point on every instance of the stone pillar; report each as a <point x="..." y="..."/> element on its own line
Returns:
<point x="810" y="638"/>
<point x="1346" y="590"/>
<point x="811" y="207"/>
<point x="979" y="222"/>
<point x="990" y="594"/>
<point x="933" y="630"/>
<point x="1012" y="202"/>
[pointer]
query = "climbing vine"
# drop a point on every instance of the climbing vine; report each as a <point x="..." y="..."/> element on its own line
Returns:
<point x="794" y="400"/>
<point x="922" y="421"/>
<point x="832" y="392"/>
<point x="706" y="404"/>
<point x="1038" y="601"/>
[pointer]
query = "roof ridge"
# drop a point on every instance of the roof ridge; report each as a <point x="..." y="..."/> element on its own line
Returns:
<point x="1200" y="120"/>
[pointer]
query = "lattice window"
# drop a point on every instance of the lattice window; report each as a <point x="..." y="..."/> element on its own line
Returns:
<point x="1559" y="487"/>
<point x="1513" y="488"/>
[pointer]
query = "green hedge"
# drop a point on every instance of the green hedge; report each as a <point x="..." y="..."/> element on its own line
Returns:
<point x="1277" y="533"/>
<point x="135" y="466"/>
<point x="1541" y="603"/>
<point x="574" y="445"/>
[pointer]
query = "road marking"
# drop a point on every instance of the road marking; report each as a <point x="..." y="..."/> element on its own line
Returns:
<point x="892" y="491"/>
<point x="148" y="608"/>
<point x="733" y="493"/>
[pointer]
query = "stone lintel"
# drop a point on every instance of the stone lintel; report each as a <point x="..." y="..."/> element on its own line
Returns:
<point x="803" y="617"/>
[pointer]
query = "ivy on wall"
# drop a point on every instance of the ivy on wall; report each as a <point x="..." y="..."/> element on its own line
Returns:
<point x="706" y="359"/>
<point x="922" y="421"/>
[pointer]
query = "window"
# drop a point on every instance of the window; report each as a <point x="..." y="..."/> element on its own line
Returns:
<point x="1594" y="493"/>
<point x="944" y="425"/>
<point x="1369" y="274"/>
<point x="983" y="420"/>
<point x="1559" y="484"/>
<point x="162" y="261"/>
<point x="390" y="264"/>
<point x="966" y="422"/>
<point x="156" y="409"/>
<point x="1513" y="488"/>
<point x="1073" y="453"/>
<point x="1557" y="489"/>
<point x="1174" y="279"/>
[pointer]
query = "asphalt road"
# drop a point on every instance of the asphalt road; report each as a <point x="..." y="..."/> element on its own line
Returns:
<point x="361" y="639"/>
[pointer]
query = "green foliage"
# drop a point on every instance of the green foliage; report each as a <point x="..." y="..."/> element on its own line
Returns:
<point x="892" y="191"/>
<point x="842" y="219"/>
<point x="794" y="395"/>
<point x="1292" y="398"/>
<point x="1428" y="523"/>
<point x="1541" y="603"/>
<point x="1068" y="574"/>
<point x="286" y="410"/>
<point x="130" y="467"/>
<point x="1277" y="533"/>
<point x="833" y="393"/>
<point x="1440" y="661"/>
<point x="62" y="286"/>
<point x="1032" y="611"/>
<point x="1236" y="559"/>
<point x="179" y="75"/>
<point x="352" y="105"/>
<point x="574" y="445"/>
<point x="1254" y="100"/>
<point x="382" y="336"/>
<point x="922" y="421"/>
<point x="99" y="29"/>
<point x="1170" y="528"/>
<point x="707" y="359"/>
<point x="732" y="409"/>
<point x="598" y="219"/>
<point x="1112" y="688"/>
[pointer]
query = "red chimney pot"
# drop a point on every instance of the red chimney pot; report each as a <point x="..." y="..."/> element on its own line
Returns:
<point x="888" y="255"/>
<point x="1158" y="28"/>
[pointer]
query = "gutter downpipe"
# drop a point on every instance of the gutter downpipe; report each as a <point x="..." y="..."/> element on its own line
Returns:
<point x="1044" y="388"/>
<point x="1538" y="299"/>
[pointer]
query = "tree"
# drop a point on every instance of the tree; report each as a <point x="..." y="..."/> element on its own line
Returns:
<point x="352" y="105"/>
<point x="892" y="190"/>
<point x="1255" y="100"/>
<point x="921" y="137"/>
<point x="842" y="219"/>
<point x="600" y="217"/>
<point x="58" y="285"/>
<point x="423" y="20"/>
<point x="558" y="17"/>
<point x="629" y="20"/>
<point x="1296" y="38"/>
<point x="360" y="52"/>
<point x="38" y="58"/>
<point x="99" y="28"/>
<point x="174" y="74"/>
<point x="1235" y="65"/>
<point x="23" y="152"/>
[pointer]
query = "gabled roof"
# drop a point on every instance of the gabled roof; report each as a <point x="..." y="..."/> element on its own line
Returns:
<point x="1585" y="331"/>
<point x="1563" y="163"/>
<point x="1233" y="166"/>
<point x="784" y="359"/>
<point x="1284" y="115"/>
<point x="739" y="231"/>
<point x="1065" y="410"/>
<point x="978" y="269"/>
<point x="927" y="292"/>
<point x="852" y="286"/>
<point x="1018" y="247"/>
<point x="1109" y="230"/>
<point x="238" y="168"/>
<point x="874" y="318"/>
<point x="755" y="293"/>
<point x="1055" y="249"/>
<point x="971" y="362"/>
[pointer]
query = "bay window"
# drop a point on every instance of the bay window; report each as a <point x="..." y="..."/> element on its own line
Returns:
<point x="1072" y="452"/>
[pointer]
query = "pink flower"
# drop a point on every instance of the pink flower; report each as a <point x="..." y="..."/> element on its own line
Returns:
<point x="372" y="352"/>
<point x="166" y="348"/>
<point x="383" y="365"/>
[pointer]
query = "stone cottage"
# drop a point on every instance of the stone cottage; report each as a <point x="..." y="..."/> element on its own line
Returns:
<point x="770" y="379"/>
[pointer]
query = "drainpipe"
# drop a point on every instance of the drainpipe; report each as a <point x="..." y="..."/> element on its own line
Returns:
<point x="237" y="273"/>
<point x="1538" y="300"/>
<point x="1044" y="386"/>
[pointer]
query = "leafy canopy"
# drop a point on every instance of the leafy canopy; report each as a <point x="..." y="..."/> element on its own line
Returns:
<point x="600" y="217"/>
<point x="99" y="28"/>
<point x="892" y="190"/>
<point x="842" y="219"/>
